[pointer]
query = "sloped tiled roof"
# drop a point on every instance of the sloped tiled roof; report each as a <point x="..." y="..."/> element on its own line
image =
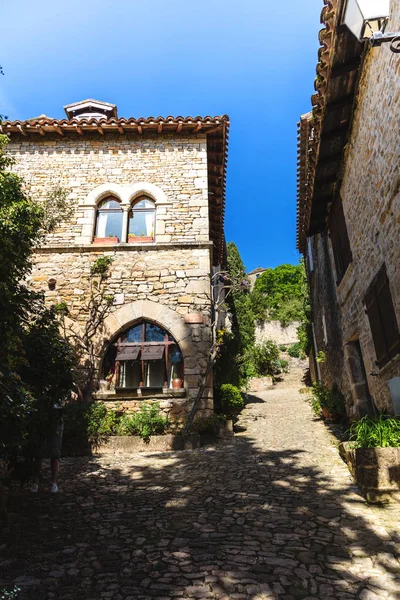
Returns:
<point x="323" y="132"/>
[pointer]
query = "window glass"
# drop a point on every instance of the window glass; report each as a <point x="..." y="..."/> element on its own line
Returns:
<point x="145" y="203"/>
<point x="141" y="219"/>
<point x="154" y="333"/>
<point x="109" y="219"/>
<point x="133" y="335"/>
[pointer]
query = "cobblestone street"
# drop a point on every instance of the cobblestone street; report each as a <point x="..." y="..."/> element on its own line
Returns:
<point x="272" y="514"/>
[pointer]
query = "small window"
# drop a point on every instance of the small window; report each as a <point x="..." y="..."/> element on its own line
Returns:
<point x="109" y="219"/>
<point x="141" y="221"/>
<point x="340" y="240"/>
<point x="382" y="319"/>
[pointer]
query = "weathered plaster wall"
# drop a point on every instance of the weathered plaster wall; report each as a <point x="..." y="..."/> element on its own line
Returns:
<point x="273" y="330"/>
<point x="371" y="203"/>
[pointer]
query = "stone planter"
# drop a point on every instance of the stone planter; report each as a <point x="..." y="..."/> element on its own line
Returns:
<point x="375" y="470"/>
<point x="158" y="443"/>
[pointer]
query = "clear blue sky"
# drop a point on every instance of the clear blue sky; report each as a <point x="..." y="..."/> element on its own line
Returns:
<point x="254" y="60"/>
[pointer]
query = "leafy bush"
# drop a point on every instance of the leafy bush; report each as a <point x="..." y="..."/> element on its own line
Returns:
<point x="263" y="359"/>
<point x="282" y="348"/>
<point x="383" y="432"/>
<point x="231" y="399"/>
<point x="10" y="594"/>
<point x="208" y="425"/>
<point x="95" y="423"/>
<point x="146" y="422"/>
<point x="331" y="399"/>
<point x="295" y="350"/>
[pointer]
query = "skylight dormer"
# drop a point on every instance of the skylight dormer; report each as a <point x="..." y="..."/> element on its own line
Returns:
<point x="91" y="109"/>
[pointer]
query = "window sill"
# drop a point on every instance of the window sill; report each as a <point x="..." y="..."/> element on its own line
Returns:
<point x="382" y="371"/>
<point x="146" y="393"/>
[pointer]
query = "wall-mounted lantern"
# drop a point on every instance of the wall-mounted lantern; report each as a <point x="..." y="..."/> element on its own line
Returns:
<point x="367" y="20"/>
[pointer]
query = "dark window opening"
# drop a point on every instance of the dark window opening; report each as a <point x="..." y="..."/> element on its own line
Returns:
<point x="382" y="319"/>
<point x="340" y="240"/>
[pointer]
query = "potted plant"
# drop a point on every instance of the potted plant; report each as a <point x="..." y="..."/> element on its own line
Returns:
<point x="177" y="381"/>
<point x="108" y="241"/>
<point x="329" y="401"/>
<point x="140" y="239"/>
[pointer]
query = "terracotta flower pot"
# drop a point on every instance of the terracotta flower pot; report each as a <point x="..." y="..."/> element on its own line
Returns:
<point x="331" y="416"/>
<point x="107" y="241"/>
<point x="140" y="239"/>
<point x="177" y="383"/>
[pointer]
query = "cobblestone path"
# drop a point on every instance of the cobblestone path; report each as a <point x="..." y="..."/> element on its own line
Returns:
<point x="272" y="514"/>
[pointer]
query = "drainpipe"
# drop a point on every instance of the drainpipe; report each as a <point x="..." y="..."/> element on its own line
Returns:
<point x="316" y="352"/>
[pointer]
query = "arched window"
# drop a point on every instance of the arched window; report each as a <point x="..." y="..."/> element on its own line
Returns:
<point x="142" y="221"/>
<point x="145" y="356"/>
<point x="108" y="220"/>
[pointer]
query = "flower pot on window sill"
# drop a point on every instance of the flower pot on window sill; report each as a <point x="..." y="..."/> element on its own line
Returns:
<point x="106" y="241"/>
<point x="140" y="239"/>
<point x="177" y="383"/>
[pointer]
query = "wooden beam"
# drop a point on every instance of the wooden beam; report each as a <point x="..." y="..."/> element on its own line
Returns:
<point x="159" y="128"/>
<point x="100" y="129"/>
<point x="179" y="127"/>
<point x="22" y="131"/>
<point x="140" y="130"/>
<point x="213" y="129"/>
<point x="345" y="68"/>
<point x="198" y="126"/>
<point x="59" y="130"/>
<point x="40" y="129"/>
<point x="121" y="129"/>
<point x="79" y="130"/>
<point x="334" y="133"/>
<point x="340" y="103"/>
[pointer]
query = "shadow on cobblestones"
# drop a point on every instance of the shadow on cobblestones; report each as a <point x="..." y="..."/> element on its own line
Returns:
<point x="236" y="521"/>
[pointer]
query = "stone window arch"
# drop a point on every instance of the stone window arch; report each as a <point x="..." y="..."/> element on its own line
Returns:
<point x="146" y="356"/>
<point x="127" y="195"/>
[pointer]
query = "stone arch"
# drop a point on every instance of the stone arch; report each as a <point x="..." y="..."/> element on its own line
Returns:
<point x="146" y="189"/>
<point x="164" y="316"/>
<point x="106" y="189"/>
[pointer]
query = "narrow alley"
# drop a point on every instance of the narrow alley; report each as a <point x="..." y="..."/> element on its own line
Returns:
<point x="272" y="514"/>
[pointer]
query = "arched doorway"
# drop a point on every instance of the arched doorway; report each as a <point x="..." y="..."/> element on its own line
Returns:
<point x="145" y="356"/>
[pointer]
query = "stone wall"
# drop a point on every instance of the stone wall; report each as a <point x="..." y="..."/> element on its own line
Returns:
<point x="162" y="281"/>
<point x="176" y="166"/>
<point x="327" y="320"/>
<point x="370" y="193"/>
<point x="273" y="330"/>
<point x="162" y="284"/>
<point x="371" y="203"/>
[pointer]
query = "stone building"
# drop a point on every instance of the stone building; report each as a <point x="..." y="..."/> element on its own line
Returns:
<point x="253" y="275"/>
<point x="349" y="214"/>
<point x="150" y="194"/>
